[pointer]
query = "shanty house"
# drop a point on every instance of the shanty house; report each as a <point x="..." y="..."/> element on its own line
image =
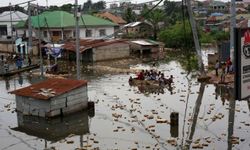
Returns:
<point x="52" y="97"/>
<point x="100" y="50"/>
<point x="138" y="30"/>
<point x="146" y="46"/>
<point x="58" y="26"/>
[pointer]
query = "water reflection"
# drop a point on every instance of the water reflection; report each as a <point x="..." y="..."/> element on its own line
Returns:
<point x="7" y="83"/>
<point x="224" y="92"/>
<point x="195" y="114"/>
<point x="20" y="79"/>
<point x="54" y="129"/>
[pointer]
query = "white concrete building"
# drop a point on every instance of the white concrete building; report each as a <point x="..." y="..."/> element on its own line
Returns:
<point x="5" y="21"/>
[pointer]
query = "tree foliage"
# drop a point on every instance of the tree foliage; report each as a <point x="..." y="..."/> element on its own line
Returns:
<point x="154" y="17"/>
<point x="89" y="7"/>
<point x="174" y="12"/>
<point x="129" y="15"/>
<point x="178" y="36"/>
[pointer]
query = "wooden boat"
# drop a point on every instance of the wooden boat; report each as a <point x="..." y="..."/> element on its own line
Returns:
<point x="149" y="86"/>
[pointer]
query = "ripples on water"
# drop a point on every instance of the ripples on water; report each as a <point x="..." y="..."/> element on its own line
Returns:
<point x="114" y="96"/>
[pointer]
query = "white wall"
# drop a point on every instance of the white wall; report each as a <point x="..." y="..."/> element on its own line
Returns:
<point x="9" y="27"/>
<point x="95" y="32"/>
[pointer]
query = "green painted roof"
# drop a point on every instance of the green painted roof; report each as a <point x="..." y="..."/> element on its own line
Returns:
<point x="54" y="19"/>
<point x="20" y="24"/>
<point x="63" y="19"/>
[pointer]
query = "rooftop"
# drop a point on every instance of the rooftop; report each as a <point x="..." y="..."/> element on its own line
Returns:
<point x="63" y="19"/>
<point x="16" y="16"/>
<point x="111" y="17"/>
<point x="49" y="88"/>
<point x="91" y="43"/>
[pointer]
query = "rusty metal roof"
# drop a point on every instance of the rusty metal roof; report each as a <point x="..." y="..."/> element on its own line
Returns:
<point x="113" y="18"/>
<point x="93" y="43"/>
<point x="49" y="88"/>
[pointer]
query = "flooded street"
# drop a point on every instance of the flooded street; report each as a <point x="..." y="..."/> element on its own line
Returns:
<point x="132" y="117"/>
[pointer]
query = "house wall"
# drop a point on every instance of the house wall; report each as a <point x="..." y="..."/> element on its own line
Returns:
<point x="8" y="24"/>
<point x="112" y="51"/>
<point x="95" y="32"/>
<point x="31" y="106"/>
<point x="70" y="102"/>
<point x="6" y="47"/>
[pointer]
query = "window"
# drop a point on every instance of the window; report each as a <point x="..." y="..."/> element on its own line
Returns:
<point x="88" y="33"/>
<point x="102" y="32"/>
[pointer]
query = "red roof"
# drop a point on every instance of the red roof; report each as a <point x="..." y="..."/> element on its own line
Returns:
<point x="111" y="17"/>
<point x="49" y="88"/>
<point x="87" y="44"/>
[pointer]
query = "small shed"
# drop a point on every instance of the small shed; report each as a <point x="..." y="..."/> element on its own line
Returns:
<point x="146" y="46"/>
<point x="52" y="97"/>
<point x="100" y="50"/>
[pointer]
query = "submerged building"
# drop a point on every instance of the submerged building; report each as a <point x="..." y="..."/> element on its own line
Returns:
<point x="52" y="97"/>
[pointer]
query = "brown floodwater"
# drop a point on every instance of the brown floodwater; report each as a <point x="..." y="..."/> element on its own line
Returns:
<point x="131" y="117"/>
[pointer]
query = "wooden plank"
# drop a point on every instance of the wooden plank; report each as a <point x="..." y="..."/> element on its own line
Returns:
<point x="16" y="71"/>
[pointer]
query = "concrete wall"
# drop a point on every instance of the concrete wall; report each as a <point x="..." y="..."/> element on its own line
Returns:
<point x="67" y="103"/>
<point x="7" y="47"/>
<point x="95" y="32"/>
<point x="112" y="51"/>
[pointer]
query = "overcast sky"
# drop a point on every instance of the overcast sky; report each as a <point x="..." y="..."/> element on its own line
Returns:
<point x="61" y="2"/>
<point x="58" y="2"/>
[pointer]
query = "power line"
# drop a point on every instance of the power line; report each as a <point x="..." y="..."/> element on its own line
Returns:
<point x="18" y="4"/>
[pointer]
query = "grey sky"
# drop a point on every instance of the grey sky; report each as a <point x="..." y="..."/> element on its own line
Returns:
<point x="58" y="2"/>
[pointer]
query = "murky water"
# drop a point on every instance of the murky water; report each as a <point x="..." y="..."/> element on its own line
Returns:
<point x="126" y="118"/>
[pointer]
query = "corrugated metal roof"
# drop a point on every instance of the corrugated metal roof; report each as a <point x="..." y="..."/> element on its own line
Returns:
<point x="132" y="24"/>
<point x="49" y="88"/>
<point x="16" y="16"/>
<point x="144" y="42"/>
<point x="63" y="19"/>
<point x="86" y="44"/>
<point x="113" y="18"/>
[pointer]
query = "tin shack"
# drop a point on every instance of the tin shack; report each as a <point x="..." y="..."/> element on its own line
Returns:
<point x="52" y="97"/>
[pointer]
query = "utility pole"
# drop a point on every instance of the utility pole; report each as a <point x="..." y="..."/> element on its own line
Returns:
<point x="30" y="30"/>
<point x="39" y="42"/>
<point x="11" y="29"/>
<point x="232" y="26"/>
<point x="195" y="36"/>
<point x="77" y="41"/>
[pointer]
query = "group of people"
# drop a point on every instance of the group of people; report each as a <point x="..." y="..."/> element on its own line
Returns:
<point x="154" y="75"/>
<point x="225" y="69"/>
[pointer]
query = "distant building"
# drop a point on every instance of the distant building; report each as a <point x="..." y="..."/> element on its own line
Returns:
<point x="52" y="97"/>
<point x="218" y="6"/>
<point x="138" y="30"/>
<point x="5" y="22"/>
<point x="111" y="17"/>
